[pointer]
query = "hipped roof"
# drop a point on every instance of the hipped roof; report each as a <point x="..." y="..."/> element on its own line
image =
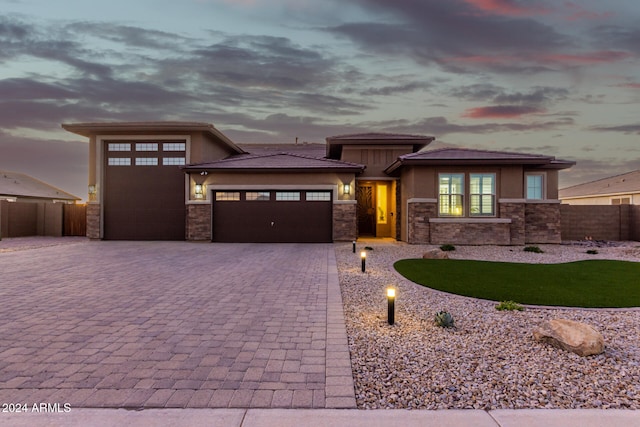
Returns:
<point x="619" y="184"/>
<point x="276" y="162"/>
<point x="22" y="185"/>
<point x="464" y="156"/>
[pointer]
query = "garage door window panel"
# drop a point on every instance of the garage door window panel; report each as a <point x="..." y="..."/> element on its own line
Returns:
<point x="318" y="196"/>
<point x="287" y="196"/>
<point x="253" y="196"/>
<point x="119" y="147"/>
<point x="174" y="146"/>
<point x="227" y="196"/>
<point x="147" y="146"/>
<point x="173" y="161"/>
<point x="146" y="161"/>
<point x="119" y="161"/>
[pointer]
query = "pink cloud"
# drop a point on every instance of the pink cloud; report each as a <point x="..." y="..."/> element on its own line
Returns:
<point x="589" y="58"/>
<point x="579" y="13"/>
<point x="506" y="8"/>
<point x="501" y="112"/>
<point x="629" y="85"/>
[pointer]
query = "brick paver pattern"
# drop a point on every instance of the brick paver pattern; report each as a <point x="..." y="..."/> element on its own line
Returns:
<point x="166" y="324"/>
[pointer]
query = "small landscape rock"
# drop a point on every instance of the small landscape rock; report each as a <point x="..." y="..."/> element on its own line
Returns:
<point x="435" y="254"/>
<point x="569" y="335"/>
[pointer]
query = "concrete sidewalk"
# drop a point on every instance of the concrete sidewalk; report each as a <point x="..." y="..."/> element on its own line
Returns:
<point x="325" y="418"/>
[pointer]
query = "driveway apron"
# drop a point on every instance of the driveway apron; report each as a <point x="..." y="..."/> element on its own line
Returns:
<point x="173" y="324"/>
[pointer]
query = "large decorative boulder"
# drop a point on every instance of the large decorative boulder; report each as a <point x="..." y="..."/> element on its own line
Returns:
<point x="435" y="254"/>
<point x="577" y="337"/>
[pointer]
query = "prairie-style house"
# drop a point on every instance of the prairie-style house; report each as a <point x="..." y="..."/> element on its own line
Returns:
<point x="188" y="181"/>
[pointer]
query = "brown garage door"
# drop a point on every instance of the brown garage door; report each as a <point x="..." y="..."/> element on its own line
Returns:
<point x="272" y="216"/>
<point x="144" y="191"/>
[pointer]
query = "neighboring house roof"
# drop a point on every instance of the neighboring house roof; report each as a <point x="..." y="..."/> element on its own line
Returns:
<point x="464" y="156"/>
<point x="626" y="183"/>
<point x="335" y="143"/>
<point x="89" y="129"/>
<point x="21" y="185"/>
<point x="281" y="161"/>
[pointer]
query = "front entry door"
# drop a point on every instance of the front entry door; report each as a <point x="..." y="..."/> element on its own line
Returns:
<point x="366" y="210"/>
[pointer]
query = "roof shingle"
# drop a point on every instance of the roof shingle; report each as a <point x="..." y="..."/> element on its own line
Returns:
<point x="276" y="161"/>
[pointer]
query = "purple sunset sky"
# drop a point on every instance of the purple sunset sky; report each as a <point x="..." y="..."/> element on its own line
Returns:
<point x="543" y="76"/>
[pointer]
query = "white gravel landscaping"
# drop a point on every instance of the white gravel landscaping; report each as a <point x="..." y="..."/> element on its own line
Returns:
<point x="490" y="360"/>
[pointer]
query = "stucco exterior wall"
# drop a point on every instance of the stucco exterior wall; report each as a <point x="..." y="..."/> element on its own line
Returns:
<point x="377" y="158"/>
<point x="634" y="199"/>
<point x="327" y="180"/>
<point x="206" y="149"/>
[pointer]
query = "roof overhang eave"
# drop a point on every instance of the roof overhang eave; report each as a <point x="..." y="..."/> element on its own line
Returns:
<point x="90" y="129"/>
<point x="204" y="168"/>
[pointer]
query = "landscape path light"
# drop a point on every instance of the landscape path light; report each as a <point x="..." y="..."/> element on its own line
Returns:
<point x="363" y="256"/>
<point x="354" y="246"/>
<point x="391" y="300"/>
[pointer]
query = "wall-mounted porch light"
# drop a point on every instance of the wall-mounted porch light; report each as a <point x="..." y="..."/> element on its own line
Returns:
<point x="363" y="256"/>
<point x="92" y="192"/>
<point x="199" y="191"/>
<point x="391" y="310"/>
<point x="346" y="188"/>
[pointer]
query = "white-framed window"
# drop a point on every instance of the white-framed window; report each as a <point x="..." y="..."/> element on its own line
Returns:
<point x="257" y="195"/>
<point x="229" y="196"/>
<point x="172" y="161"/>
<point x="318" y="196"/>
<point x="119" y="161"/>
<point x="146" y="161"/>
<point x="146" y="146"/>
<point x="117" y="146"/>
<point x="174" y="146"/>
<point x="451" y="194"/>
<point x="482" y="194"/>
<point x="621" y="201"/>
<point x="288" y="196"/>
<point x="534" y="186"/>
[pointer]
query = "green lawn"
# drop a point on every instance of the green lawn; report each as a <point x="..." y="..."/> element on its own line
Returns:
<point x="593" y="283"/>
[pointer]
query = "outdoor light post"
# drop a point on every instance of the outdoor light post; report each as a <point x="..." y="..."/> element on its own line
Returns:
<point x="354" y="246"/>
<point x="363" y="256"/>
<point x="391" y="299"/>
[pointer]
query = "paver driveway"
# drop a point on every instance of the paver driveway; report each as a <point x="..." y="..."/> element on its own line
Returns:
<point x="173" y="324"/>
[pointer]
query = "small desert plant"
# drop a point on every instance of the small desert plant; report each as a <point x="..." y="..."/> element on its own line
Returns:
<point x="592" y="252"/>
<point x="533" y="249"/>
<point x="509" y="306"/>
<point x="444" y="319"/>
<point x="447" y="248"/>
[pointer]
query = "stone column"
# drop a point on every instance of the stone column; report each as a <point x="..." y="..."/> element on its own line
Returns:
<point x="419" y="212"/>
<point x="93" y="220"/>
<point x="199" y="222"/>
<point x="514" y="210"/>
<point x="345" y="221"/>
